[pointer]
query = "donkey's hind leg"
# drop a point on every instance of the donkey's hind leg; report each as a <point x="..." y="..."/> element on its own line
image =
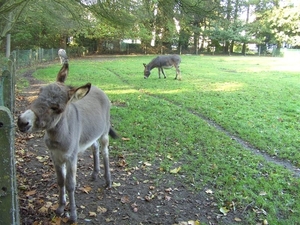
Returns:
<point x="178" y="73"/>
<point x="104" y="141"/>
<point x="95" y="147"/>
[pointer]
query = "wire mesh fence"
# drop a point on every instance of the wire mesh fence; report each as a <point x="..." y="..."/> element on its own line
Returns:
<point x="27" y="58"/>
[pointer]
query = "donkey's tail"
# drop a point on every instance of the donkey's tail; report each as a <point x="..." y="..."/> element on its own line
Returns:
<point x="113" y="133"/>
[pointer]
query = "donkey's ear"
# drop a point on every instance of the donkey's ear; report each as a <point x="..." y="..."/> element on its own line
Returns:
<point x="78" y="93"/>
<point x="144" y="65"/>
<point x="63" y="73"/>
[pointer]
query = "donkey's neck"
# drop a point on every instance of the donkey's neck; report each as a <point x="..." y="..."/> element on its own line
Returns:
<point x="151" y="65"/>
<point x="65" y="126"/>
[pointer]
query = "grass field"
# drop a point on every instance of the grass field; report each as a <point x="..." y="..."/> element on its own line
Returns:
<point x="165" y="122"/>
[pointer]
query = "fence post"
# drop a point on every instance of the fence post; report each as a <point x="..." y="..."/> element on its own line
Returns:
<point x="8" y="97"/>
<point x="12" y="69"/>
<point x="52" y="54"/>
<point x="9" y="210"/>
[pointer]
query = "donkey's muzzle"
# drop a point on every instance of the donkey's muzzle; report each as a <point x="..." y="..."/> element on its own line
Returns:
<point x="24" y="126"/>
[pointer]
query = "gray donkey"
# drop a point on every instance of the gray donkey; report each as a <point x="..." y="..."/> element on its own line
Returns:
<point x="163" y="61"/>
<point x="74" y="119"/>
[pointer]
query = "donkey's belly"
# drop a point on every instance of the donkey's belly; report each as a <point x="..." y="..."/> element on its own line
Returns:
<point x="84" y="146"/>
<point x="167" y="67"/>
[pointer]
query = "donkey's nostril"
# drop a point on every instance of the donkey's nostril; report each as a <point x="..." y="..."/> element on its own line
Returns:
<point x="23" y="126"/>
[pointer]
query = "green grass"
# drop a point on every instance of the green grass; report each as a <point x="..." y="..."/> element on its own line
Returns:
<point x="256" y="99"/>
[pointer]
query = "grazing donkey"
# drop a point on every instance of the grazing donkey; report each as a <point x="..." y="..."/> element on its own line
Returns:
<point x="62" y="55"/>
<point x="163" y="61"/>
<point x="74" y="119"/>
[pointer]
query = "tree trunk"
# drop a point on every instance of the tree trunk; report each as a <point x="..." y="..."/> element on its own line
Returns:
<point x="247" y="21"/>
<point x="8" y="36"/>
<point x="196" y="42"/>
<point x="227" y="43"/>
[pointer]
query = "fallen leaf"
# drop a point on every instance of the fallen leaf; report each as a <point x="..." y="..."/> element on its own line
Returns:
<point x="209" y="191"/>
<point x="86" y="189"/>
<point x="109" y="220"/>
<point x="169" y="156"/>
<point x="147" y="164"/>
<point x="122" y="163"/>
<point x="168" y="198"/>
<point x="151" y="187"/>
<point x="224" y="210"/>
<point x="265" y="222"/>
<point x="263" y="193"/>
<point x="125" y="139"/>
<point x="29" y="193"/>
<point x="125" y="199"/>
<point x="237" y="219"/>
<point x="192" y="222"/>
<point x="42" y="158"/>
<point x="30" y="136"/>
<point x="116" y="184"/>
<point x="92" y="214"/>
<point x="168" y="189"/>
<point x="176" y="170"/>
<point x="43" y="210"/>
<point x="149" y="197"/>
<point x="101" y="209"/>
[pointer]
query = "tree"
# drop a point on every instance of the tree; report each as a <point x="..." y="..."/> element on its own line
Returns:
<point x="10" y="12"/>
<point x="45" y="21"/>
<point x="285" y="25"/>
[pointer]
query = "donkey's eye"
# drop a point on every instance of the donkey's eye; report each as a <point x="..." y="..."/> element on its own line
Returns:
<point x="55" y="108"/>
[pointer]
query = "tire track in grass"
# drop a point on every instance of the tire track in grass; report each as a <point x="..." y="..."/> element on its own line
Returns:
<point x="283" y="163"/>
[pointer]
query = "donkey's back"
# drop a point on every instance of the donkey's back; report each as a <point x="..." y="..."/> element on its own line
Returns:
<point x="166" y="60"/>
<point x="91" y="116"/>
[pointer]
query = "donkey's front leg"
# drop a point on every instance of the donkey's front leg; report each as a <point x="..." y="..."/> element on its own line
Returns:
<point x="70" y="186"/>
<point x="95" y="148"/>
<point x="178" y="73"/>
<point x="60" y="173"/>
<point x="105" y="154"/>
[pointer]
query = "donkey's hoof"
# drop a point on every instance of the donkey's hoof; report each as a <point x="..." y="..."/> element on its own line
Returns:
<point x="108" y="185"/>
<point x="94" y="176"/>
<point x="72" y="220"/>
<point x="72" y="217"/>
<point x="60" y="210"/>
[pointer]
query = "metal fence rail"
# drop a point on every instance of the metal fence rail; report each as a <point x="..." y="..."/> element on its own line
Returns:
<point x="26" y="58"/>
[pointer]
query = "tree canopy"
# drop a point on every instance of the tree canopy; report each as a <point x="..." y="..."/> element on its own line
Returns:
<point x="194" y="24"/>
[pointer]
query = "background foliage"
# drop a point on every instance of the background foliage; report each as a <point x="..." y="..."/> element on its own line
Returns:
<point x="194" y="25"/>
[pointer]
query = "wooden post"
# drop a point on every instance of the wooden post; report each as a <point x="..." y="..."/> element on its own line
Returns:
<point x="9" y="210"/>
